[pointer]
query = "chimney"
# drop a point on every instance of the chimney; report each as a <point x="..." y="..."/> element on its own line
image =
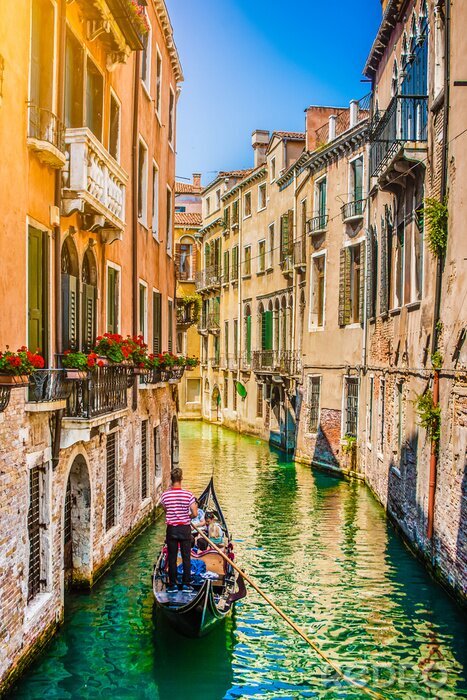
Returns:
<point x="259" y="141"/>
<point x="353" y="112"/>
<point x="197" y="180"/>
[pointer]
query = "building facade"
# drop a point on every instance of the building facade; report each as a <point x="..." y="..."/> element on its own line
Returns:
<point x="88" y="107"/>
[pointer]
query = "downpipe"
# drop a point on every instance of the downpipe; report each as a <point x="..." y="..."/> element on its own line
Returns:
<point x="433" y="465"/>
<point x="134" y="215"/>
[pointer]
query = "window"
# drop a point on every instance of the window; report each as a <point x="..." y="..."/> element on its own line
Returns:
<point x="42" y="54"/>
<point x="271" y="245"/>
<point x="381" y="415"/>
<point x="157" y="455"/>
<point x="261" y="256"/>
<point x="114" y="128"/>
<point x="235" y="213"/>
<point x="247" y="205"/>
<point x="204" y="350"/>
<point x="273" y="169"/>
<point x="235" y="263"/>
<point x="247" y="261"/>
<point x="208" y="206"/>
<point x="193" y="390"/>
<point x="94" y="99"/>
<point x="369" y="427"/>
<point x="261" y="197"/>
<point x="235" y="339"/>
<point x="395" y="79"/>
<point x="286" y="235"/>
<point x="226" y="265"/>
<point x="170" y="322"/>
<point x="259" y="401"/>
<point x="144" y="459"/>
<point x="314" y="395"/>
<point x="351" y="406"/>
<point x="226" y="340"/>
<point x="248" y="335"/>
<point x="171" y="116"/>
<point x="155" y="201"/>
<point x="351" y="284"/>
<point x="317" y="288"/>
<point x="169" y="220"/>
<point x="321" y="203"/>
<point x="113" y="300"/>
<point x="372" y="272"/>
<point x="74" y="82"/>
<point x="180" y="342"/>
<point x="36" y="525"/>
<point x="142" y="181"/>
<point x="218" y="199"/>
<point x="399" y="416"/>
<point x="146" y="59"/>
<point x="356" y="185"/>
<point x="111" y="481"/>
<point x="143" y="310"/>
<point x="303" y="211"/>
<point x="38" y="289"/>
<point x="398" y="266"/>
<point x="184" y="251"/>
<point x="158" y="101"/>
<point x="156" y="323"/>
<point x="440" y="44"/>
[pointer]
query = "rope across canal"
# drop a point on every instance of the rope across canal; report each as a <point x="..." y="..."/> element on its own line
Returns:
<point x="368" y="691"/>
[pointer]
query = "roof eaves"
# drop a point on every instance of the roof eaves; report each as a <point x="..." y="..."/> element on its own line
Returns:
<point x="382" y="38"/>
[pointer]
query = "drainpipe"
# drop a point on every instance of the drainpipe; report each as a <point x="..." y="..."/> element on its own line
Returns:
<point x="240" y="287"/>
<point x="134" y="213"/>
<point x="294" y="271"/>
<point x="58" y="181"/>
<point x="439" y="272"/>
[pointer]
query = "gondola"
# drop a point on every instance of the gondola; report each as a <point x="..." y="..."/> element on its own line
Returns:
<point x="195" y="614"/>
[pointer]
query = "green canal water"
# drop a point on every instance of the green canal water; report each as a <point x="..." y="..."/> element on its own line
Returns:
<point x="320" y="547"/>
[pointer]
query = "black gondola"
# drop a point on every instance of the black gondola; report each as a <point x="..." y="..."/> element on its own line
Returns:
<point x="194" y="614"/>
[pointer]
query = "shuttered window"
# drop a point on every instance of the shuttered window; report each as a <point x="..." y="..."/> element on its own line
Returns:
<point x="286" y="235"/>
<point x="89" y="316"/>
<point x="248" y="338"/>
<point x="266" y="330"/>
<point x="42" y="54"/>
<point x="144" y="459"/>
<point x="34" y="533"/>
<point x="157" y="454"/>
<point x="386" y="261"/>
<point x="351" y="417"/>
<point x="170" y="326"/>
<point x="156" y="322"/>
<point x="372" y="272"/>
<point x="111" y="481"/>
<point x="70" y="312"/>
<point x="235" y="263"/>
<point x="351" y="284"/>
<point x="113" y="300"/>
<point x="314" y="393"/>
<point x="344" y="287"/>
<point x="235" y="338"/>
<point x="226" y="266"/>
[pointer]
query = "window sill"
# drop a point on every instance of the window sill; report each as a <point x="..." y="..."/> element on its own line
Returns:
<point x="395" y="312"/>
<point x="248" y="216"/>
<point x="260" y="273"/>
<point x="110" y="534"/>
<point x="158" y="117"/>
<point x="352" y="326"/>
<point x="311" y="436"/>
<point x="380" y="457"/>
<point x="317" y="329"/>
<point x="143" y="224"/>
<point x="270" y="269"/>
<point x="262" y="209"/>
<point x="155" y="236"/>
<point x="35" y="606"/>
<point x="146" y="90"/>
<point x="246" y="277"/>
<point x="413" y="306"/>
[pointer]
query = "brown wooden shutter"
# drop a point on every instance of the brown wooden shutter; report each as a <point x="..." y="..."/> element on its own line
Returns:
<point x="344" y="287"/>
<point x="89" y="316"/>
<point x="156" y="322"/>
<point x="70" y="312"/>
<point x="383" y="293"/>
<point x="290" y="227"/>
<point x="361" y="311"/>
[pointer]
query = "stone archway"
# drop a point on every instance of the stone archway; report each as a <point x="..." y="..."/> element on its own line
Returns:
<point x="77" y="525"/>
<point x="174" y="444"/>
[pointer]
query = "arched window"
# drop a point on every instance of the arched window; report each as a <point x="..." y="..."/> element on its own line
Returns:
<point x="185" y="258"/>
<point x="422" y="22"/>
<point x="70" y="295"/>
<point x="413" y="36"/>
<point x="404" y="52"/>
<point x="276" y="316"/>
<point x="89" y="315"/>
<point x="247" y="312"/>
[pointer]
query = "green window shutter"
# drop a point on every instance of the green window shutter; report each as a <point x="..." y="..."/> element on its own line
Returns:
<point x="266" y="330"/>
<point x="361" y="310"/>
<point x="156" y="322"/>
<point x="170" y="326"/>
<point x="248" y="338"/>
<point x="344" y="287"/>
<point x="70" y="312"/>
<point x="226" y="265"/>
<point x="89" y="316"/>
<point x="36" y="290"/>
<point x="112" y="317"/>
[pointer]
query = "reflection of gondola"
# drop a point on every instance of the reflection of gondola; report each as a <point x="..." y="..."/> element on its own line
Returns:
<point x="195" y="613"/>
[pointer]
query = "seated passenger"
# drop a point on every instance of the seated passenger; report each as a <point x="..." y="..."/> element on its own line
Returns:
<point x="199" y="521"/>
<point x="201" y="544"/>
<point x="215" y="531"/>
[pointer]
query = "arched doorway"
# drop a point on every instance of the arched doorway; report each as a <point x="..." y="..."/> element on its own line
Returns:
<point x="70" y="295"/>
<point x="174" y="444"/>
<point x="77" y="525"/>
<point x="89" y="300"/>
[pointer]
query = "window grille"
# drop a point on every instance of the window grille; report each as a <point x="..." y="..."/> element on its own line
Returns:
<point x="34" y="532"/>
<point x="314" y="400"/>
<point x="352" y="407"/>
<point x="157" y="453"/>
<point x="144" y="459"/>
<point x="111" y="482"/>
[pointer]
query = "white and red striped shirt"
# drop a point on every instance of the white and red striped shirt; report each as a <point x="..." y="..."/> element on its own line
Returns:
<point x="176" y="503"/>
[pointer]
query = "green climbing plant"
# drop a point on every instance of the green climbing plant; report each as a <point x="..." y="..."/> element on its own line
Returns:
<point x="436" y="217"/>
<point x="349" y="444"/>
<point x="429" y="415"/>
<point x="437" y="360"/>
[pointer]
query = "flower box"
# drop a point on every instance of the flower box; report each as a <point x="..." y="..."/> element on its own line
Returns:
<point x="12" y="380"/>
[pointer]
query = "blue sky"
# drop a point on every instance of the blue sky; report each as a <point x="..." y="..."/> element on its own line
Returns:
<point x="257" y="64"/>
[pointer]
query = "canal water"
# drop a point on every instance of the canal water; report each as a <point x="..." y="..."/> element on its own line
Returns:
<point x="320" y="547"/>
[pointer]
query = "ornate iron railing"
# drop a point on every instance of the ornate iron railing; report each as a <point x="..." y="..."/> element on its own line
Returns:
<point x="317" y="223"/>
<point x="283" y="362"/>
<point x="406" y="119"/>
<point x="214" y="322"/>
<point x="176" y="373"/>
<point x="209" y="277"/>
<point x="44" y="125"/>
<point x="353" y="210"/>
<point x="158" y="376"/>
<point x="48" y="385"/>
<point x="104" y="391"/>
<point x="5" y="393"/>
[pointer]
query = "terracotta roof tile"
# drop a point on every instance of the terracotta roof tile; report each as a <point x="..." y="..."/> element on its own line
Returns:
<point x="186" y="188"/>
<point x="235" y="173"/>
<point x="290" y="134"/>
<point x="187" y="219"/>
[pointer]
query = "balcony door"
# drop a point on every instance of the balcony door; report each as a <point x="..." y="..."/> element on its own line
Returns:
<point x="37" y="290"/>
<point x="42" y="54"/>
<point x="70" y="296"/>
<point x="89" y="313"/>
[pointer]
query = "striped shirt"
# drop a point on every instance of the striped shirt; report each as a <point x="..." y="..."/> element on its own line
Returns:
<point x="176" y="503"/>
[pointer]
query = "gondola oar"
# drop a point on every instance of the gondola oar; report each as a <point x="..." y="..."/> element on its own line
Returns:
<point x="290" y="622"/>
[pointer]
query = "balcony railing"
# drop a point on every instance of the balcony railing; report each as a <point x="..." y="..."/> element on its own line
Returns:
<point x="317" y="223"/>
<point x="186" y="314"/>
<point x="353" y="210"/>
<point x="405" y="120"/>
<point x="283" y="362"/>
<point x="213" y="322"/>
<point x="158" y="376"/>
<point x="344" y="119"/>
<point x="93" y="182"/>
<point x="46" y="135"/>
<point x="104" y="391"/>
<point x="231" y="362"/>
<point x="47" y="385"/>
<point x="209" y="278"/>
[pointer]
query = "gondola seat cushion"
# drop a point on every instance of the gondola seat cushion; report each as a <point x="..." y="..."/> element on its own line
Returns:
<point x="198" y="568"/>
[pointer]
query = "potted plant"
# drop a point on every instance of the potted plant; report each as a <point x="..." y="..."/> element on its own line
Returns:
<point x="15" y="367"/>
<point x="191" y="363"/>
<point x="77" y="364"/>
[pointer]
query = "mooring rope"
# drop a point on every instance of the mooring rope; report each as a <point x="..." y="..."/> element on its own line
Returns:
<point x="292" y="624"/>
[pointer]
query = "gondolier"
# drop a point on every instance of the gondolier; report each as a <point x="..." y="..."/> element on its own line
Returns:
<point x="180" y="507"/>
